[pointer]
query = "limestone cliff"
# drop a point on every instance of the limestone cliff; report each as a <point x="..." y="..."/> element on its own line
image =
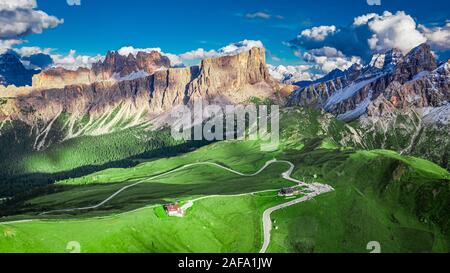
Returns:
<point x="231" y="79"/>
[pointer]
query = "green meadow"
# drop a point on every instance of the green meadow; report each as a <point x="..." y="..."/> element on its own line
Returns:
<point x="402" y="202"/>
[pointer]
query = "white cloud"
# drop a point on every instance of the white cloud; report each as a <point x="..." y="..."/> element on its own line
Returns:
<point x="20" y="18"/>
<point x="263" y="15"/>
<point x="390" y="30"/>
<point x="199" y="53"/>
<point x="374" y="33"/>
<point x="72" y="61"/>
<point x="401" y="31"/>
<point x="318" y="33"/>
<point x="438" y="37"/>
<point x="27" y="51"/>
<point x="327" y="51"/>
<point x="231" y="49"/>
<point x="74" y="2"/>
<point x="127" y="50"/>
<point x="175" y="60"/>
<point x="15" y="4"/>
<point x="327" y="59"/>
<point x="394" y="31"/>
<point x="259" y="15"/>
<point x="363" y="19"/>
<point x="291" y="74"/>
<point x="7" y="44"/>
<point x="239" y="47"/>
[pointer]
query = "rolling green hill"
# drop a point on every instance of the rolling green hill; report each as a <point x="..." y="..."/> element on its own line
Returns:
<point x="400" y="201"/>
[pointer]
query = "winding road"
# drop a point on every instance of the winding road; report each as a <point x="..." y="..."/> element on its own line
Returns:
<point x="314" y="189"/>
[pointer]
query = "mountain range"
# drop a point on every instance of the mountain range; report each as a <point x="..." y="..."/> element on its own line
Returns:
<point x="397" y="101"/>
<point x="13" y="72"/>
<point x="95" y="101"/>
<point x="74" y="138"/>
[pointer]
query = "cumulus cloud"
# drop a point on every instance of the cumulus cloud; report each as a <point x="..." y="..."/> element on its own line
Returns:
<point x="318" y="33"/>
<point x="363" y="19"/>
<point x="127" y="50"/>
<point x="239" y="47"/>
<point x="28" y="51"/>
<point x="327" y="52"/>
<point x="231" y="49"/>
<point x="292" y="73"/>
<point x="6" y="45"/>
<point x="373" y="33"/>
<point x="175" y="60"/>
<point x="20" y="18"/>
<point x="73" y="61"/>
<point x="15" y="4"/>
<point x="326" y="59"/>
<point x="394" y="31"/>
<point x="199" y="53"/>
<point x="438" y="37"/>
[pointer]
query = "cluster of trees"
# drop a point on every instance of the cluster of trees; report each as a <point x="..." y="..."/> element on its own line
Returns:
<point x="23" y="169"/>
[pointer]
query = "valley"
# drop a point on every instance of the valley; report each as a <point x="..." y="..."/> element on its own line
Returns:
<point x="88" y="157"/>
<point x="392" y="201"/>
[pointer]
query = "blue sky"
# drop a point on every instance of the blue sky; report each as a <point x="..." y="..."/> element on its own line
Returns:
<point x="329" y="38"/>
<point x="181" y="25"/>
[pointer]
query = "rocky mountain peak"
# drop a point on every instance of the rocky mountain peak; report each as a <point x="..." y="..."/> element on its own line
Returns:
<point x="114" y="67"/>
<point x="13" y="72"/>
<point x="121" y="65"/>
<point x="390" y="81"/>
<point x="385" y="60"/>
<point x="420" y="59"/>
<point x="225" y="80"/>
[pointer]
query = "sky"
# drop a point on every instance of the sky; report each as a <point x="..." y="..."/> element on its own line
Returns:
<point x="92" y="27"/>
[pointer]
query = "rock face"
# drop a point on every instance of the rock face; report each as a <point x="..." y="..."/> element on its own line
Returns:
<point x="400" y="102"/>
<point x="114" y="67"/>
<point x="59" y="77"/>
<point x="232" y="79"/>
<point x="116" y="64"/>
<point x="390" y="80"/>
<point x="12" y="71"/>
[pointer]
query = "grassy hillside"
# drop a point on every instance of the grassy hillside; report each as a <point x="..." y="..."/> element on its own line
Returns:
<point x="221" y="224"/>
<point x="24" y="169"/>
<point x="400" y="201"/>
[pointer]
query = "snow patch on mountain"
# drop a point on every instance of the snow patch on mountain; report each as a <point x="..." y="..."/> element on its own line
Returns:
<point x="358" y="111"/>
<point x="439" y="115"/>
<point x="419" y="76"/>
<point x="348" y="92"/>
<point x="132" y="76"/>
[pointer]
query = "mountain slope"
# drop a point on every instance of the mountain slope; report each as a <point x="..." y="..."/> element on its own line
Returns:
<point x="395" y="102"/>
<point x="402" y="202"/>
<point x="105" y="107"/>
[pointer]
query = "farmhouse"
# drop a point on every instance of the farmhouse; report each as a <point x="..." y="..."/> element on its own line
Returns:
<point x="287" y="192"/>
<point x="174" y="210"/>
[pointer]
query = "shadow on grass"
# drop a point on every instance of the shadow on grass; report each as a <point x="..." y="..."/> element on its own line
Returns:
<point x="24" y="187"/>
